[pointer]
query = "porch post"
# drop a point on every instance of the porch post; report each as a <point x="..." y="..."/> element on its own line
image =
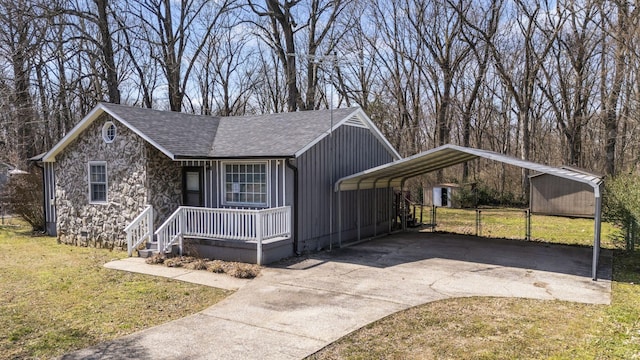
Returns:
<point x="151" y="227"/>
<point x="183" y="227"/>
<point x="258" y="215"/>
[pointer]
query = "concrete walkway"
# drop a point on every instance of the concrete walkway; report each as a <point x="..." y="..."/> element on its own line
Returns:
<point x="138" y="265"/>
<point x="297" y="308"/>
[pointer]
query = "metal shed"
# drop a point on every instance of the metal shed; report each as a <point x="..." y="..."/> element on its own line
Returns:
<point x="395" y="174"/>
<point x="553" y="195"/>
<point x="442" y="195"/>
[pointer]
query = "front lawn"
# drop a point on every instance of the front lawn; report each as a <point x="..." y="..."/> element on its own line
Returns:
<point x="57" y="298"/>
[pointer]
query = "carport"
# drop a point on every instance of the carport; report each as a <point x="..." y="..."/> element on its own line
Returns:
<point x="395" y="174"/>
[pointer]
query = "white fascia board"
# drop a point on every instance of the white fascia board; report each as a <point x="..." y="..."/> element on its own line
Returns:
<point x="364" y="117"/>
<point x="94" y="114"/>
<point x="371" y="126"/>
<point x="50" y="156"/>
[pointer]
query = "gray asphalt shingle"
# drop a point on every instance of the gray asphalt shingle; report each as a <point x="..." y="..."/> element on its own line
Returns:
<point x="183" y="135"/>
<point x="272" y="135"/>
<point x="192" y="136"/>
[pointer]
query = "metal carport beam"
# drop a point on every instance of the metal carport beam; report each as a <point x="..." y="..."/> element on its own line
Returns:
<point x="397" y="172"/>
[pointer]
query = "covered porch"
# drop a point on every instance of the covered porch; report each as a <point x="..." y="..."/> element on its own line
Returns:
<point x="249" y="235"/>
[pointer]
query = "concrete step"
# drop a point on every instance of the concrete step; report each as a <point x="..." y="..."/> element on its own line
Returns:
<point x="146" y="253"/>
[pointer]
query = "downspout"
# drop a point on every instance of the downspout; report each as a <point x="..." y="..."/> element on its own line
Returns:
<point x="44" y="197"/>
<point x="295" y="206"/>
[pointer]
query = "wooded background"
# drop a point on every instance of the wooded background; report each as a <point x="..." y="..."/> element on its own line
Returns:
<point x="555" y="82"/>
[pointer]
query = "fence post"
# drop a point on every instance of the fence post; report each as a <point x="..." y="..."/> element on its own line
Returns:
<point x="259" y="237"/>
<point x="478" y="224"/>
<point x="433" y="218"/>
<point x="527" y="224"/>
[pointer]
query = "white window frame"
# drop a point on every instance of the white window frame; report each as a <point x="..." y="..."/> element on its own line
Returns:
<point x="105" y="132"/>
<point x="91" y="183"/>
<point x="223" y="184"/>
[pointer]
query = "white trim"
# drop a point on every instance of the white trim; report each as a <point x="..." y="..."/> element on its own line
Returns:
<point x="355" y="121"/>
<point x="223" y="188"/>
<point x="94" y="114"/>
<point x="366" y="122"/>
<point x="105" y="132"/>
<point x="106" y="182"/>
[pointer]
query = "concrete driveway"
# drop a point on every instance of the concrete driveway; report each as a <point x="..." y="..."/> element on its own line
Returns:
<point x="294" y="309"/>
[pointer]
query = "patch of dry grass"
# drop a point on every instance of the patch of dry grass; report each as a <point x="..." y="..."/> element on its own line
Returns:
<point x="58" y="298"/>
<point x="231" y="268"/>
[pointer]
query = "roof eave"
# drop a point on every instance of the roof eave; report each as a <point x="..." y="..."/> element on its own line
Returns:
<point x="371" y="126"/>
<point x="93" y="115"/>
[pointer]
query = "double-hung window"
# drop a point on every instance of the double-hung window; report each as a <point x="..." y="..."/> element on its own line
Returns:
<point x="245" y="184"/>
<point x="97" y="182"/>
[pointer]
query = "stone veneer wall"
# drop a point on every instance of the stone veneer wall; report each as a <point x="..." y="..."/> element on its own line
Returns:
<point x="164" y="184"/>
<point x="100" y="225"/>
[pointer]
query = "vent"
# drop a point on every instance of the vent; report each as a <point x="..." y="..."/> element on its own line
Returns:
<point x="356" y="121"/>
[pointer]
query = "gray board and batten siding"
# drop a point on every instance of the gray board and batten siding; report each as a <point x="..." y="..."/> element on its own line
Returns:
<point x="552" y="195"/>
<point x="356" y="149"/>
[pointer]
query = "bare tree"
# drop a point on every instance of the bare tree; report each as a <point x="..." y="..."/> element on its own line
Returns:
<point x="568" y="87"/>
<point x="285" y="21"/>
<point x="621" y="23"/>
<point x="172" y="27"/>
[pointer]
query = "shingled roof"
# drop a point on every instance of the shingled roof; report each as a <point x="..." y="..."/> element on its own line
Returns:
<point x="282" y="134"/>
<point x="187" y="136"/>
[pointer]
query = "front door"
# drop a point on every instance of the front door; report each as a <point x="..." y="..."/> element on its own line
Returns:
<point x="192" y="186"/>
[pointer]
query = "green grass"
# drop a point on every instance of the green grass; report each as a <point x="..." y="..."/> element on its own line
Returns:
<point x="510" y="224"/>
<point x="510" y="328"/>
<point x="57" y="298"/>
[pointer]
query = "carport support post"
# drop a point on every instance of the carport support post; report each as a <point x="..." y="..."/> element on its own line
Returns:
<point x="403" y="216"/>
<point x="596" y="231"/>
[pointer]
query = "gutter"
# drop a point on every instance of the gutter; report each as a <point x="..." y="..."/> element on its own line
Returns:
<point x="295" y="206"/>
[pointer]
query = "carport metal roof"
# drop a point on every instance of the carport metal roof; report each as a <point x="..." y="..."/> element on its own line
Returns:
<point x="396" y="173"/>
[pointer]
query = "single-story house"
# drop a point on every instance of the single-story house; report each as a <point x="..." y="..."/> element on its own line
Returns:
<point x="246" y="188"/>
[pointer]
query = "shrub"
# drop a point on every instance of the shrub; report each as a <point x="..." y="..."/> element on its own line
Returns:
<point x="621" y="204"/>
<point x="480" y="194"/>
<point x="24" y="196"/>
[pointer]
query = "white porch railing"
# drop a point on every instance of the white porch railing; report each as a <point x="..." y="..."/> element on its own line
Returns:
<point x="140" y="229"/>
<point x="228" y="224"/>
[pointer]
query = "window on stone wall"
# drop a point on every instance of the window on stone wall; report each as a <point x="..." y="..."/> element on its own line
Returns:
<point x="109" y="132"/>
<point x="245" y="184"/>
<point x="97" y="182"/>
